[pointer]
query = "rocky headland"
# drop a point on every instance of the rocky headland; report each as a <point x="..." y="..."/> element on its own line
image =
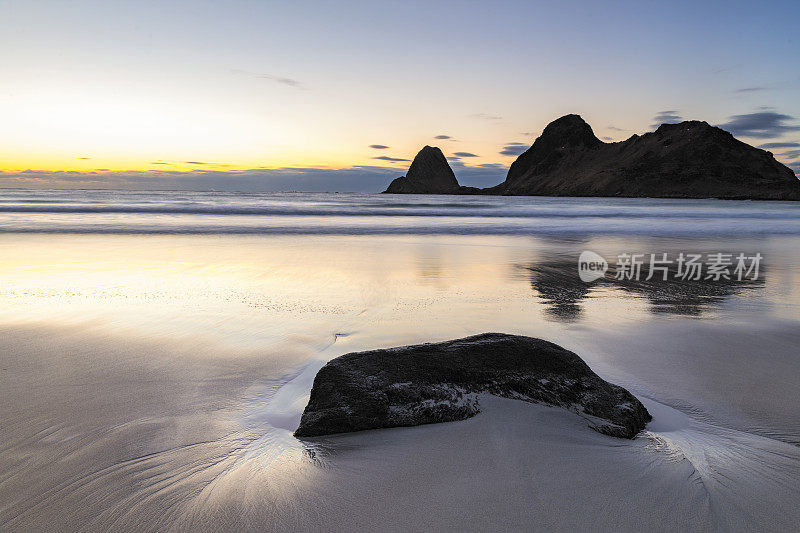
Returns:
<point x="691" y="159"/>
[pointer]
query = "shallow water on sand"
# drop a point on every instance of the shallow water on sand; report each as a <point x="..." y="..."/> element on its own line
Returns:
<point x="151" y="381"/>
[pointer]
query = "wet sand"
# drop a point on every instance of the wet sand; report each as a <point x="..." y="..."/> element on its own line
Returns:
<point x="151" y="383"/>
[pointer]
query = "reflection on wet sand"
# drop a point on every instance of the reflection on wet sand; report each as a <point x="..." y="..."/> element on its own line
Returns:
<point x="156" y="380"/>
<point x="561" y="290"/>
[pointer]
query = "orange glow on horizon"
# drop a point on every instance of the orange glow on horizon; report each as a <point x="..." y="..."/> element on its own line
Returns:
<point x="56" y="163"/>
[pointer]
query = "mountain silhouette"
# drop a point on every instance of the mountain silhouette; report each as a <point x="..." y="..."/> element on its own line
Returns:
<point x="691" y="159"/>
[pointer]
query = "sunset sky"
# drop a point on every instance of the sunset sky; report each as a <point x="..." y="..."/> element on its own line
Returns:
<point x="256" y="95"/>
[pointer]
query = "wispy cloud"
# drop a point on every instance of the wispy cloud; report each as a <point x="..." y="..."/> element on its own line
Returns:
<point x="614" y="128"/>
<point x="464" y="154"/>
<point x="760" y="125"/>
<point x="378" y="146"/>
<point x="202" y="163"/>
<point x="486" y="116"/>
<point x="513" y="148"/>
<point x="289" y="82"/>
<point x="392" y="159"/>
<point x="665" y="117"/>
<point x="443" y="137"/>
<point x="750" y="90"/>
<point x="770" y="146"/>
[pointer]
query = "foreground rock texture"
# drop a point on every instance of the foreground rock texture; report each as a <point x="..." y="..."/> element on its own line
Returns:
<point x="429" y="173"/>
<point x="691" y="159"/>
<point x="430" y="383"/>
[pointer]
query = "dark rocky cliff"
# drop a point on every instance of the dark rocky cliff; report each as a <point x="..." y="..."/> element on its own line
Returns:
<point x="691" y="159"/>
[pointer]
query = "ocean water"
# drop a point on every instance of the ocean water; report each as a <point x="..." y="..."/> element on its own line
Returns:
<point x="157" y="350"/>
<point x="325" y="213"/>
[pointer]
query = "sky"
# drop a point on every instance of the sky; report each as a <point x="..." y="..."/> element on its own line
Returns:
<point x="258" y="95"/>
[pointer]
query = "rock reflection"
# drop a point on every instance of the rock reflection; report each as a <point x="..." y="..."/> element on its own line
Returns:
<point x="560" y="288"/>
<point x="562" y="292"/>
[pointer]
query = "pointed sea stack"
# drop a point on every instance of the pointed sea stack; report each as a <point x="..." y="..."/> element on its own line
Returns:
<point x="691" y="159"/>
<point x="429" y="173"/>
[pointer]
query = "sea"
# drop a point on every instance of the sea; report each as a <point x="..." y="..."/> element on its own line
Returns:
<point x="135" y="212"/>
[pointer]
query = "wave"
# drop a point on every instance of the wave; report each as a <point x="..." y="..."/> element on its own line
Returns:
<point x="320" y="213"/>
<point x="392" y="210"/>
<point x="688" y="230"/>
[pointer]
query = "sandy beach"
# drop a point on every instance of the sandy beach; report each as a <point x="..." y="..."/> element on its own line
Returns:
<point x="152" y="382"/>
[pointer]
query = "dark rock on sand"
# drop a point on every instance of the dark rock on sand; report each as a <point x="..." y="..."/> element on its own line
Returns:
<point x="430" y="383"/>
<point x="429" y="173"/>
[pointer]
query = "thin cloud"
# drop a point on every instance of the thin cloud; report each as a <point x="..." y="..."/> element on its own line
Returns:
<point x="392" y="159"/>
<point x="464" y="154"/>
<point x="513" y="148"/>
<point x="285" y="81"/>
<point x="770" y="146"/>
<point x="486" y="116"/>
<point x="665" y="117"/>
<point x="750" y="90"/>
<point x="289" y="82"/>
<point x="760" y="125"/>
<point x="442" y="137"/>
<point x="791" y="154"/>
<point x="614" y="128"/>
<point x="203" y="163"/>
<point x="378" y="146"/>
